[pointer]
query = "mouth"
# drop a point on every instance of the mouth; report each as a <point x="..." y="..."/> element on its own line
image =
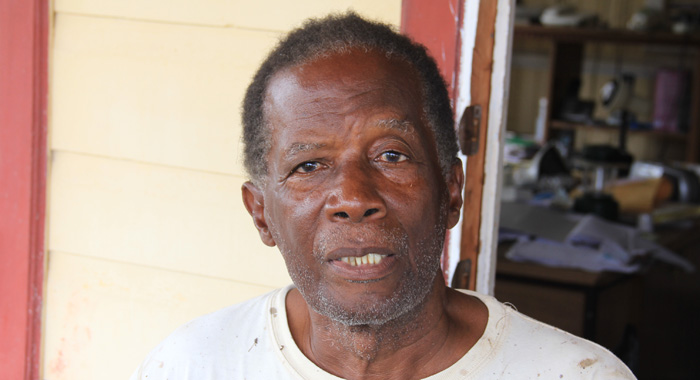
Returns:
<point x="366" y="260"/>
<point x="362" y="265"/>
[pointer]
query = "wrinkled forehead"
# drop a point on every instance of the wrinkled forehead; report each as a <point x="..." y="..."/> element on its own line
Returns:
<point x="367" y="77"/>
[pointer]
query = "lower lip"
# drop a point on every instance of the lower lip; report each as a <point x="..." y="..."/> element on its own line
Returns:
<point x="364" y="273"/>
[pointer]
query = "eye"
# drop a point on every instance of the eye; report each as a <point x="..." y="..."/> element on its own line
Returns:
<point x="392" y="156"/>
<point x="307" y="167"/>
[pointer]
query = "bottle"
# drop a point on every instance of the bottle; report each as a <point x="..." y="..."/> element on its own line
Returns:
<point x="541" y="121"/>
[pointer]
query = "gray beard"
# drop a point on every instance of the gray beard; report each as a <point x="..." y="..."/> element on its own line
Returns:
<point x="409" y="296"/>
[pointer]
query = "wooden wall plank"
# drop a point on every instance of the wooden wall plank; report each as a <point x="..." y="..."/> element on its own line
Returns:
<point x="493" y="160"/>
<point x="169" y="218"/>
<point x="285" y="15"/>
<point x="167" y="94"/>
<point x="482" y="68"/>
<point x="276" y="15"/>
<point x="103" y="317"/>
<point x="206" y="12"/>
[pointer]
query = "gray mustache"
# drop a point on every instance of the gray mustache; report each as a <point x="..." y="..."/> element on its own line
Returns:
<point x="339" y="236"/>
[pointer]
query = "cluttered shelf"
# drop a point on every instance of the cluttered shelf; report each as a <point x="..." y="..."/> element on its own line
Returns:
<point x="602" y="35"/>
<point x="566" y="125"/>
<point x="674" y="102"/>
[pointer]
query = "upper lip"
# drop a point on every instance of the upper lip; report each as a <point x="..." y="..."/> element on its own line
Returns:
<point x="339" y="253"/>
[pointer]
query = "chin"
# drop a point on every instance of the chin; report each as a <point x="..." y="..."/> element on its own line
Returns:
<point x="370" y="309"/>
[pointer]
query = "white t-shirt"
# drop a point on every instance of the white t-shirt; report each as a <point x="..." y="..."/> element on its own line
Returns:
<point x="252" y="340"/>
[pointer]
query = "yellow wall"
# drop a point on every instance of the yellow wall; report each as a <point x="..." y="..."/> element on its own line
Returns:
<point x="146" y="228"/>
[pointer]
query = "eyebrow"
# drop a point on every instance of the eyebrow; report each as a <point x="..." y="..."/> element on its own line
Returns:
<point x="296" y="148"/>
<point x="404" y="126"/>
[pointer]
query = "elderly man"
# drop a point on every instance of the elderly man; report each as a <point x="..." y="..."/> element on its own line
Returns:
<point x="354" y="176"/>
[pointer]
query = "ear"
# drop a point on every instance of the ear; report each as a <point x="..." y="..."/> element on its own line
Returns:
<point x="455" y="184"/>
<point x="255" y="204"/>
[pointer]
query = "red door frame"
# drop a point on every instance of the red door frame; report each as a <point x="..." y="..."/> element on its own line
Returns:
<point x="24" y="31"/>
<point x="435" y="24"/>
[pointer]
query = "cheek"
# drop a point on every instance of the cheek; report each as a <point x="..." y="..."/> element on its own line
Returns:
<point x="305" y="209"/>
<point x="421" y="209"/>
<point x="408" y="178"/>
<point x="416" y="198"/>
<point x="293" y="224"/>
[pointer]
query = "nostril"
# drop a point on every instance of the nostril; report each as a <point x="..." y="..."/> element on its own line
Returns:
<point x="342" y="214"/>
<point x="371" y="211"/>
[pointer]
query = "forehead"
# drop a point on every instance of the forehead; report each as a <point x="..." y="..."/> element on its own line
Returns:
<point x="344" y="82"/>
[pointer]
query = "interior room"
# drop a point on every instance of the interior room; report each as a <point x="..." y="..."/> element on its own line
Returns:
<point x="600" y="207"/>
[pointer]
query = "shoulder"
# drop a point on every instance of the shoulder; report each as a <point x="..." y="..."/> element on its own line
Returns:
<point x="528" y="347"/>
<point x="230" y="341"/>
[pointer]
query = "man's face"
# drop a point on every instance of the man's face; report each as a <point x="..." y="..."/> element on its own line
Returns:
<point x="354" y="197"/>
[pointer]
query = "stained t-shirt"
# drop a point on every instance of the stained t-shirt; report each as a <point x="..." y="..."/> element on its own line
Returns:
<point x="252" y="340"/>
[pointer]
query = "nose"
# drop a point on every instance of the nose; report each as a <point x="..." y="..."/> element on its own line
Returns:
<point x="354" y="197"/>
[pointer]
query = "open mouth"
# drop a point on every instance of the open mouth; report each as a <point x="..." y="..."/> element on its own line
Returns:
<point x="368" y="259"/>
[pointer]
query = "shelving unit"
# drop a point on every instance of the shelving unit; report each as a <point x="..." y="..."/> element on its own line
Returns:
<point x="569" y="126"/>
<point x="566" y="61"/>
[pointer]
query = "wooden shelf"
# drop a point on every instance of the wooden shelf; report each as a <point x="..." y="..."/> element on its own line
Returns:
<point x="566" y="56"/>
<point x="614" y="36"/>
<point x="566" y="125"/>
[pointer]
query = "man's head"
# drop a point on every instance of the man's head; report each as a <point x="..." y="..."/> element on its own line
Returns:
<point x="354" y="191"/>
<point x="336" y="34"/>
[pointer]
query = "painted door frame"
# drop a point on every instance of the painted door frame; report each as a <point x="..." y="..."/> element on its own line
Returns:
<point x="472" y="41"/>
<point x="24" y="31"/>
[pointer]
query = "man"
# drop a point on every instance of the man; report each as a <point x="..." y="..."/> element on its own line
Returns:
<point x="354" y="176"/>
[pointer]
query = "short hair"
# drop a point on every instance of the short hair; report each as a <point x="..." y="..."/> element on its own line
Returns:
<point x="337" y="34"/>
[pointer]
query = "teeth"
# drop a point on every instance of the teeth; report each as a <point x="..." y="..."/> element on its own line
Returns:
<point x="368" y="259"/>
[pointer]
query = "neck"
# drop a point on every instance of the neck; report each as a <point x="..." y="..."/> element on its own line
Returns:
<point x="417" y="344"/>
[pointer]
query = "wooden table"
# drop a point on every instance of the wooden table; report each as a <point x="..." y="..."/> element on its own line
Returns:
<point x="596" y="306"/>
